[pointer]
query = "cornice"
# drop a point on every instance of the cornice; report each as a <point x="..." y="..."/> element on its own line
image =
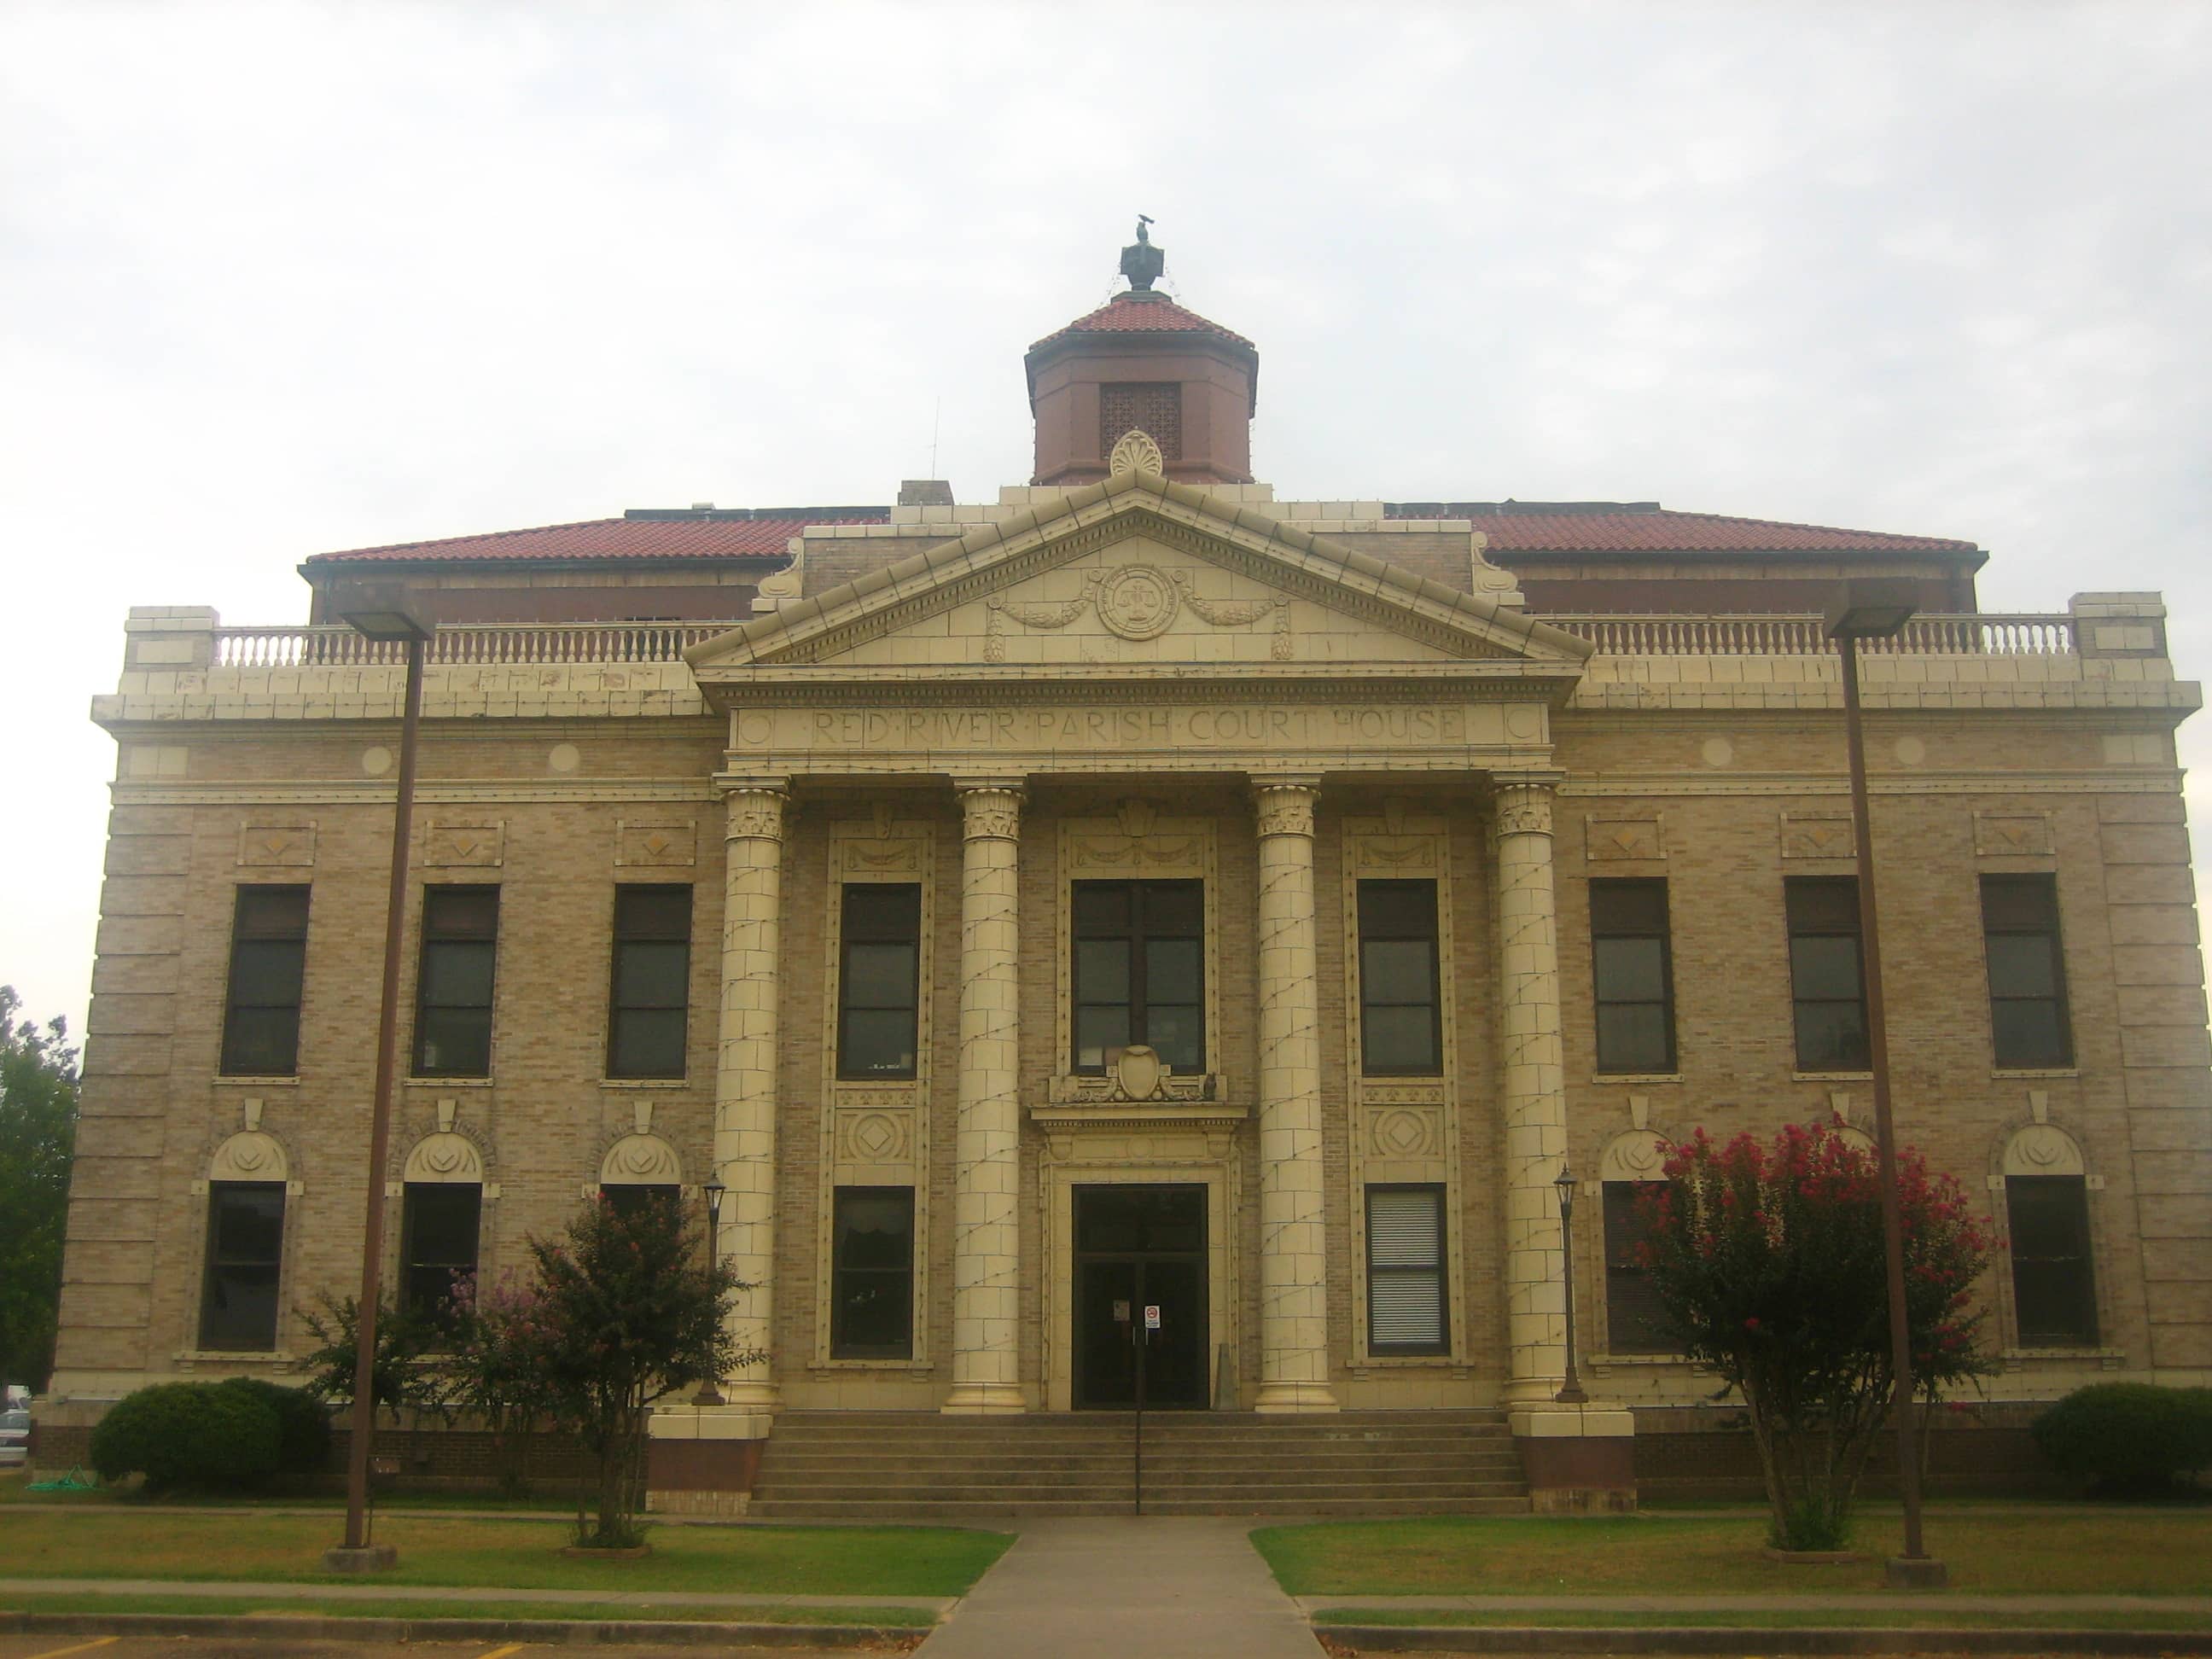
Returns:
<point x="376" y="791"/>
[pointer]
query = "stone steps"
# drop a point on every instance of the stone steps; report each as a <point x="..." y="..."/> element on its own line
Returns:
<point x="873" y="1465"/>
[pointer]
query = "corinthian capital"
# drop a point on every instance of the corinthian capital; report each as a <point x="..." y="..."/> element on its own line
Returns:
<point x="1524" y="805"/>
<point x="1284" y="808"/>
<point x="991" y="812"/>
<point x="756" y="813"/>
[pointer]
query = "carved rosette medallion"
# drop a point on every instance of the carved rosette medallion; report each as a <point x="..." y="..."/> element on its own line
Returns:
<point x="1137" y="602"/>
<point x="1287" y="809"/>
<point x="757" y="814"/>
<point x="992" y="812"/>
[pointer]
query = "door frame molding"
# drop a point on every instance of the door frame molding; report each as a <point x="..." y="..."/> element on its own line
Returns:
<point x="1170" y="1163"/>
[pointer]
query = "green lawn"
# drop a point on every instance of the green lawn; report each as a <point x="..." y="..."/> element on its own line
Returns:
<point x="1793" y="1619"/>
<point x="516" y="1555"/>
<point x="659" y="1613"/>
<point x="2050" y="1551"/>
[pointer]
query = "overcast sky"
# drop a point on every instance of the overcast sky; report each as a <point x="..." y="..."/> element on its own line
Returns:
<point x="278" y="279"/>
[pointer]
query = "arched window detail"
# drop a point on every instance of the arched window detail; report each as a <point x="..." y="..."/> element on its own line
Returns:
<point x="1633" y="1162"/>
<point x="248" y="1181"/>
<point x="2054" y="1285"/>
<point x="641" y="1167"/>
<point x="440" y="1217"/>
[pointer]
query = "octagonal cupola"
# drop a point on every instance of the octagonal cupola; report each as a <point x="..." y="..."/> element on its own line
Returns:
<point x="1142" y="362"/>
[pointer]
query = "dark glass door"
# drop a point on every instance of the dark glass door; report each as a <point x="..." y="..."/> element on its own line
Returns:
<point x="1135" y="1248"/>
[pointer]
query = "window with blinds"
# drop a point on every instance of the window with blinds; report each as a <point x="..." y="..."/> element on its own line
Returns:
<point x="1635" y="1320"/>
<point x="2028" y="1026"/>
<point x="2053" y="1283"/>
<point x="1405" y="1309"/>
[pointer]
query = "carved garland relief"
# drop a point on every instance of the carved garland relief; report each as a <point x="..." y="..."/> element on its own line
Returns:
<point x="1137" y="602"/>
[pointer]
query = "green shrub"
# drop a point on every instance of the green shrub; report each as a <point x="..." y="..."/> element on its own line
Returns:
<point x="303" y="1445"/>
<point x="189" y="1434"/>
<point x="2129" y="1437"/>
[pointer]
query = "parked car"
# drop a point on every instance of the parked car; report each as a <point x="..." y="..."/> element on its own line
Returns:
<point x="14" y="1438"/>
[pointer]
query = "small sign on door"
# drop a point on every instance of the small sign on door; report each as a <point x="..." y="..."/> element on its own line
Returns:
<point x="1151" y="1316"/>
<point x="1120" y="1313"/>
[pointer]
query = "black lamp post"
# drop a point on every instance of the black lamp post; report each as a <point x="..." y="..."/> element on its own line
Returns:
<point x="1570" y="1391"/>
<point x="389" y="612"/>
<point x="710" y="1391"/>
<point x="1878" y="609"/>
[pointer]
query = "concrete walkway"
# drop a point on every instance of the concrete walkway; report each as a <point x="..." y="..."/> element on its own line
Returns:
<point x="1162" y="1587"/>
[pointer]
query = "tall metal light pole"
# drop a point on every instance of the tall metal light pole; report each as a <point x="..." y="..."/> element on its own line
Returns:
<point x="1570" y="1388"/>
<point x="385" y="611"/>
<point x="1877" y="609"/>
<point x="710" y="1390"/>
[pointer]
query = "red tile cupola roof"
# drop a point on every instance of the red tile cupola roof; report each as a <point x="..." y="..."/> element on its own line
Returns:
<point x="1143" y="311"/>
<point x="1143" y="363"/>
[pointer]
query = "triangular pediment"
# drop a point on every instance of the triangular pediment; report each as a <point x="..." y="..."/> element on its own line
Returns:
<point x="1132" y="575"/>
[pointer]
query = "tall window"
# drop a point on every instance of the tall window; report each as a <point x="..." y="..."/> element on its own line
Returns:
<point x="2053" y="1287"/>
<point x="2028" y="1026"/>
<point x="1634" y="1321"/>
<point x="1630" y="964"/>
<point x="651" y="981"/>
<point x="1826" y="979"/>
<point x="453" y="992"/>
<point x="1137" y="947"/>
<point x="244" y="1248"/>
<point x="437" y="1243"/>
<point x="1406" y="1305"/>
<point x="878" y="979"/>
<point x="268" y="960"/>
<point x="871" y="1273"/>
<point x="1401" y="1012"/>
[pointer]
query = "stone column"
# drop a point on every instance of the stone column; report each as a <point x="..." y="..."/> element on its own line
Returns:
<point x="1534" y="1089"/>
<point x="1293" y="1265"/>
<point x="745" y="1075"/>
<point x="987" y="1135"/>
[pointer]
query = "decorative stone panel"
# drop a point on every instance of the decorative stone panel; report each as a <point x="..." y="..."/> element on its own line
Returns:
<point x="656" y="843"/>
<point x="1606" y="839"/>
<point x="449" y="844"/>
<point x="1818" y="835"/>
<point x="276" y="844"/>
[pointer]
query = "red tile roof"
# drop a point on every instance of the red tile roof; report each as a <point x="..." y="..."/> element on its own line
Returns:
<point x="1125" y="313"/>
<point x="759" y="533"/>
<point x="1512" y="526"/>
<point x="1607" y="527"/>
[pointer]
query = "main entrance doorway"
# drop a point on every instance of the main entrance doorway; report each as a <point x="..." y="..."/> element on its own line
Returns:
<point x="1138" y="1247"/>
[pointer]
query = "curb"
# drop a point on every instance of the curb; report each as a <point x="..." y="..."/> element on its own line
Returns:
<point x="1748" y="1638"/>
<point x="574" y="1632"/>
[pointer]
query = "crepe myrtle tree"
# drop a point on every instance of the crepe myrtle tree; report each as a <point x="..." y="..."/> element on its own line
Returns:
<point x="1768" y="1263"/>
<point x="621" y="1310"/>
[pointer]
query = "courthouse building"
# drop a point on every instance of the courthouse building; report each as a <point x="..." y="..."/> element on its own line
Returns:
<point x="1128" y="894"/>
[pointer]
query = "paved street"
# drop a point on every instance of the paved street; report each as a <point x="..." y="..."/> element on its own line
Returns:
<point x="223" y="1647"/>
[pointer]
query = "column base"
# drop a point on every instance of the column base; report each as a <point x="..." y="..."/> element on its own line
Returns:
<point x="760" y="1398"/>
<point x="984" y="1399"/>
<point x="1577" y="1459"/>
<point x="1286" y="1397"/>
